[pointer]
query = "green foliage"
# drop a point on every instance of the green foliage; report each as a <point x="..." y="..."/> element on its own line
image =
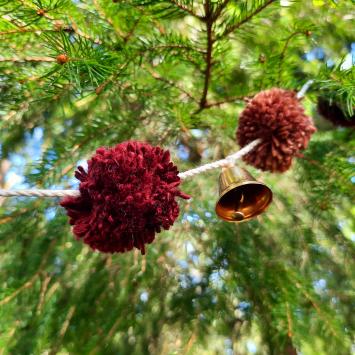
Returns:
<point x="337" y="85"/>
<point x="175" y="73"/>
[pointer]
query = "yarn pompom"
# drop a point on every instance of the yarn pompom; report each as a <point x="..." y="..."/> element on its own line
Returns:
<point x="332" y="112"/>
<point x="277" y="117"/>
<point x="126" y="196"/>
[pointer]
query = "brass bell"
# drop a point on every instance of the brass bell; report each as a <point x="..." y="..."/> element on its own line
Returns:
<point x="241" y="197"/>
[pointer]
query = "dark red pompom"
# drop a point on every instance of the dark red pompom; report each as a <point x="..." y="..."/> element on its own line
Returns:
<point x="126" y="196"/>
<point x="277" y="117"/>
<point x="333" y="113"/>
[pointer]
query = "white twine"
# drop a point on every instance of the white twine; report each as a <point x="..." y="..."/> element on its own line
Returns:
<point x="201" y="169"/>
<point x="220" y="163"/>
<point x="186" y="174"/>
<point x="39" y="193"/>
<point x="304" y="89"/>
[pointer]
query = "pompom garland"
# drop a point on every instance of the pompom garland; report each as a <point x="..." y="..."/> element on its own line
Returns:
<point x="127" y="195"/>
<point x="277" y="117"/>
<point x="128" y="192"/>
<point x="333" y="113"/>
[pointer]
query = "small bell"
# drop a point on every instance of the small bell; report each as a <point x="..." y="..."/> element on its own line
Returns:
<point x="241" y="197"/>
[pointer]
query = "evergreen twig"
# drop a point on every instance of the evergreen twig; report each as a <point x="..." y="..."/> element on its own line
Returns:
<point x="246" y="19"/>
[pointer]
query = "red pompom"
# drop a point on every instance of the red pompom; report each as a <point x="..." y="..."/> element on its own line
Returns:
<point x="277" y="117"/>
<point x="127" y="195"/>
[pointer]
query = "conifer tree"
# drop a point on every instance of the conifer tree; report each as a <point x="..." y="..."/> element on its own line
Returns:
<point x="78" y="75"/>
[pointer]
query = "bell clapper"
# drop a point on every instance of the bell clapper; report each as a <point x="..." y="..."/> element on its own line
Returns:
<point x="241" y="198"/>
<point x="238" y="215"/>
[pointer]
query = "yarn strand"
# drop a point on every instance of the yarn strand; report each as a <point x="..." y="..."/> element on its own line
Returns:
<point x="184" y="175"/>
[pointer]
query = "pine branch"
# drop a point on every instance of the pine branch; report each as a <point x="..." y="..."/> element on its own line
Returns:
<point x="63" y="330"/>
<point x="283" y="52"/>
<point x="107" y="18"/>
<point x="81" y="33"/>
<point x="109" y="80"/>
<point x="156" y="76"/>
<point x="44" y="287"/>
<point x="185" y="9"/>
<point x="209" y="20"/>
<point x="208" y="69"/>
<point x="289" y="321"/>
<point x="28" y="59"/>
<point x="33" y="279"/>
<point x="220" y="8"/>
<point x="129" y="35"/>
<point x="27" y="30"/>
<point x="318" y="309"/>
<point x="246" y="19"/>
<point x="336" y="83"/>
<point x="227" y="100"/>
<point x="57" y="28"/>
<point x="26" y="285"/>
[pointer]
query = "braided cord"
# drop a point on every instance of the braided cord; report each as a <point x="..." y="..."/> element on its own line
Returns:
<point x="184" y="175"/>
<point x="220" y="163"/>
<point x="189" y="173"/>
<point x="39" y="193"/>
<point x="304" y="89"/>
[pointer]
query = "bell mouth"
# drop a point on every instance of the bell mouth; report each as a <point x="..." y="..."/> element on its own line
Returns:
<point x="241" y="202"/>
